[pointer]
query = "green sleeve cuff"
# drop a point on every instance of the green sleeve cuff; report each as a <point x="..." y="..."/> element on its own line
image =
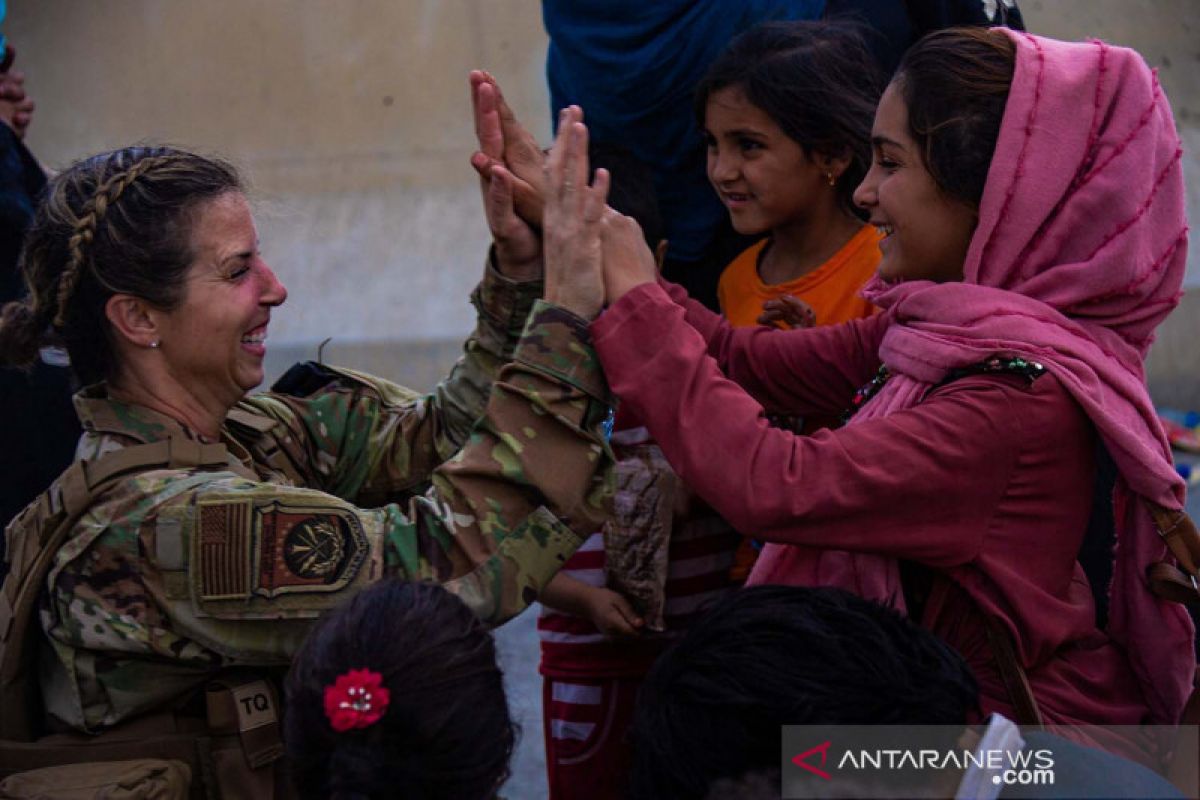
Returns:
<point x="558" y="343"/>
<point x="503" y="304"/>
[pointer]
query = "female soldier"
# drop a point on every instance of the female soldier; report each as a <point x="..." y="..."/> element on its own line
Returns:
<point x="202" y="530"/>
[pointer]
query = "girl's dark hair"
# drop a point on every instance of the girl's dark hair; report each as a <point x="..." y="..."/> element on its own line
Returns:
<point x="118" y="222"/>
<point x="816" y="80"/>
<point x="955" y="84"/>
<point x="446" y="733"/>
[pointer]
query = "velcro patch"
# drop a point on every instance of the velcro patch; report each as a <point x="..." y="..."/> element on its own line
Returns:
<point x="307" y="549"/>
<point x="224" y="556"/>
<point x="249" y="554"/>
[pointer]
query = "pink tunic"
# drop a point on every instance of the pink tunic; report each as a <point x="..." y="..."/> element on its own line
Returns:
<point x="989" y="480"/>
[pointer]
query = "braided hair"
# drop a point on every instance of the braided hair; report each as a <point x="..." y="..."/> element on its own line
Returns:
<point x="117" y="222"/>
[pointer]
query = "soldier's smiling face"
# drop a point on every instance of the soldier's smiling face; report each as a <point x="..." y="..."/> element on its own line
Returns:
<point x="214" y="341"/>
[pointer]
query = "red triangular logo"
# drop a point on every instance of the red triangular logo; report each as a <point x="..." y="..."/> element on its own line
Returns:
<point x="802" y="760"/>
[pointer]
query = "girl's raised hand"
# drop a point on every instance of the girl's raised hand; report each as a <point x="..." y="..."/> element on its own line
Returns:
<point x="628" y="260"/>
<point x="573" y="221"/>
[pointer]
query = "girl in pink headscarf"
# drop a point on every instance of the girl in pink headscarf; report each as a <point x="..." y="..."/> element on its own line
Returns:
<point x="1031" y="197"/>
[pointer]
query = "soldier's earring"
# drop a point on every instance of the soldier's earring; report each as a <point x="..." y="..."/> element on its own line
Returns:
<point x="832" y="180"/>
<point x="154" y="345"/>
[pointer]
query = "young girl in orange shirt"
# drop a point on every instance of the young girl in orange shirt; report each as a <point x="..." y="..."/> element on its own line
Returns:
<point x="786" y="112"/>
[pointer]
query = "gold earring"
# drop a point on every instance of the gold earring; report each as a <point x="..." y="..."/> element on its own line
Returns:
<point x="154" y="345"/>
<point x="832" y="180"/>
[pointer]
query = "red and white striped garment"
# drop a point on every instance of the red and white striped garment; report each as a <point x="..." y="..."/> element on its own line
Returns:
<point x="699" y="558"/>
<point x="585" y="725"/>
<point x="590" y="687"/>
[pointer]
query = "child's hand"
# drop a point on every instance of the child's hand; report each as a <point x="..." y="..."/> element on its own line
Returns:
<point x="16" y="107"/>
<point x="612" y="614"/>
<point x="789" y="310"/>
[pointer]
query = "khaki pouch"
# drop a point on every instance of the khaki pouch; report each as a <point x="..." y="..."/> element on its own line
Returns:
<point x="142" y="779"/>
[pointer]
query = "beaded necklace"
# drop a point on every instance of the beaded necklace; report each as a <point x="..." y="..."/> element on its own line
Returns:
<point x="866" y="392"/>
<point x="1011" y="365"/>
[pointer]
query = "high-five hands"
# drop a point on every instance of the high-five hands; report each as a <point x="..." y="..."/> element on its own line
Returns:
<point x="531" y="184"/>
<point x="518" y="246"/>
<point x="518" y="243"/>
<point x="628" y="260"/>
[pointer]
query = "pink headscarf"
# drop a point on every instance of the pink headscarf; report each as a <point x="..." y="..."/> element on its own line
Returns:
<point x="1078" y="256"/>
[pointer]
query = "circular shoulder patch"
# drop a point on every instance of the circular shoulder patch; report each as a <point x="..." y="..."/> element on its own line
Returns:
<point x="314" y="548"/>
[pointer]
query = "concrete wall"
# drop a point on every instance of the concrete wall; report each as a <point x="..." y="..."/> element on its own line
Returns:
<point x="351" y="119"/>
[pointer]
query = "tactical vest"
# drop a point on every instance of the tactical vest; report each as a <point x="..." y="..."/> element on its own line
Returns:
<point x="234" y="752"/>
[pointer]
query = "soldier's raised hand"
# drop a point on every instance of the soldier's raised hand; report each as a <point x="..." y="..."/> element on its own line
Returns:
<point x="573" y="221"/>
<point x="504" y="141"/>
<point x="518" y="246"/>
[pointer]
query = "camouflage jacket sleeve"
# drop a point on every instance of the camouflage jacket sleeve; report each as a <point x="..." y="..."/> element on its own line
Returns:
<point x="369" y="440"/>
<point x="503" y="306"/>
<point x="174" y="573"/>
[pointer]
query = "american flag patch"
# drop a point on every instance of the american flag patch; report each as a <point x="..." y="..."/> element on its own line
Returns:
<point x="223" y="551"/>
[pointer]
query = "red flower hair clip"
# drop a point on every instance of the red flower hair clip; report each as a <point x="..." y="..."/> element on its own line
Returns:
<point x="357" y="699"/>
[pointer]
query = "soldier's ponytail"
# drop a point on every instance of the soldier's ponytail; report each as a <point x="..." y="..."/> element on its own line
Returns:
<point x="22" y="328"/>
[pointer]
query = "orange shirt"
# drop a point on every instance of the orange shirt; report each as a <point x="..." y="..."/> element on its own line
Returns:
<point x="831" y="289"/>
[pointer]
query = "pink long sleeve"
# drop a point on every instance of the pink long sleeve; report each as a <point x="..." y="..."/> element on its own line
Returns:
<point x="922" y="484"/>
<point x="989" y="479"/>
<point x="819" y="376"/>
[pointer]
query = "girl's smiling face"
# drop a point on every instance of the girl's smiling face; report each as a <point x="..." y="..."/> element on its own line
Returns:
<point x="762" y="175"/>
<point x="927" y="233"/>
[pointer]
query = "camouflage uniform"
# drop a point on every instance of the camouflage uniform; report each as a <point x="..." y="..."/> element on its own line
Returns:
<point x="173" y="575"/>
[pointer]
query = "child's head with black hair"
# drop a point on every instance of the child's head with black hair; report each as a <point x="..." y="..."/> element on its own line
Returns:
<point x="786" y="111"/>
<point x="712" y="706"/>
<point x="443" y="730"/>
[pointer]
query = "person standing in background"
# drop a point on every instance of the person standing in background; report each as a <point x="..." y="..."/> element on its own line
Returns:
<point x="633" y="67"/>
<point x="37" y="421"/>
